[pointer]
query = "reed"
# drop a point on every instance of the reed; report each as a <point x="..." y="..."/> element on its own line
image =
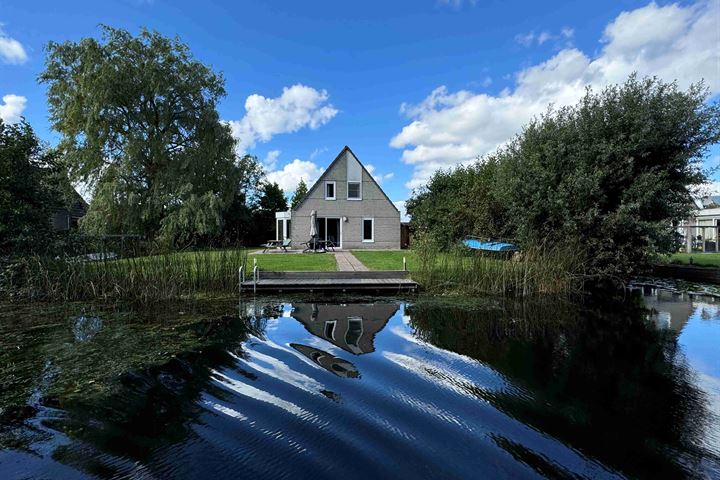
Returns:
<point x="536" y="271"/>
<point x="143" y="279"/>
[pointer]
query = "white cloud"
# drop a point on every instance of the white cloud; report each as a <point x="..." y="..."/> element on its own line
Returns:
<point x="544" y="37"/>
<point x="318" y="151"/>
<point x="11" y="51"/>
<point x="673" y="42"/>
<point x="298" y="107"/>
<point x="270" y="160"/>
<point x="530" y="38"/>
<point x="379" y="177"/>
<point x="525" y="39"/>
<point x="289" y="176"/>
<point x="12" y="107"/>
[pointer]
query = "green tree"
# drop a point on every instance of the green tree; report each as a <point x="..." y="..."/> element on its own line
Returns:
<point x="139" y="124"/>
<point x="238" y="222"/>
<point x="271" y="200"/>
<point x="610" y="176"/>
<point x="299" y="194"/>
<point x="28" y="195"/>
<point x="614" y="173"/>
<point x="456" y="203"/>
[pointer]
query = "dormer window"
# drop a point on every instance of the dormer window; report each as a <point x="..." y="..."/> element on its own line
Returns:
<point x="329" y="190"/>
<point x="354" y="191"/>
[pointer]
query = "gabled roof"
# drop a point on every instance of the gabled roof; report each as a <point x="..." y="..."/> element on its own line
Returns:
<point x="332" y="164"/>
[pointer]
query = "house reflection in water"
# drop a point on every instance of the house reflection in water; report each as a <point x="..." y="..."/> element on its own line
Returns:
<point x="673" y="310"/>
<point x="351" y="327"/>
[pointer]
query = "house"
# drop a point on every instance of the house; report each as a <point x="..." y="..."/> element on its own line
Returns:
<point x="69" y="212"/>
<point x="702" y="227"/>
<point x="352" y="210"/>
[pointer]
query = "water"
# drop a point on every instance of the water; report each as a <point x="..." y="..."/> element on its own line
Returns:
<point x="363" y="388"/>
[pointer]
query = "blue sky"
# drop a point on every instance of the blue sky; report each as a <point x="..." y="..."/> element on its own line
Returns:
<point x="410" y="86"/>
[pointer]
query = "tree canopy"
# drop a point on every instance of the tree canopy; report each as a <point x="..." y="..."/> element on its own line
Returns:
<point x="299" y="194"/>
<point x="611" y="175"/>
<point x="28" y="192"/>
<point x="139" y="124"/>
<point x="271" y="199"/>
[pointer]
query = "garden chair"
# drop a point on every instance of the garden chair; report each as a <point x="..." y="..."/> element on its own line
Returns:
<point x="270" y="244"/>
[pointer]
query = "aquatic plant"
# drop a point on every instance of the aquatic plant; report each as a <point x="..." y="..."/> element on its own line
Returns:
<point x="143" y="279"/>
<point x="537" y="270"/>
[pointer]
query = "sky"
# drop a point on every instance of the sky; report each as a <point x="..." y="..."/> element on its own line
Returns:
<point x="411" y="86"/>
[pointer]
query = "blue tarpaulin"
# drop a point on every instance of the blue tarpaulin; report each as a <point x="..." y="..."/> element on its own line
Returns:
<point x="477" y="244"/>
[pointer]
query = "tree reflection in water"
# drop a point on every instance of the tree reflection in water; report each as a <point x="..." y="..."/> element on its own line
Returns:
<point x="601" y="378"/>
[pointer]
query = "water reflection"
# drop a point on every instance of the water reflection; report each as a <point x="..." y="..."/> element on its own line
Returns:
<point x="432" y="389"/>
<point x="351" y="327"/>
<point x="331" y="363"/>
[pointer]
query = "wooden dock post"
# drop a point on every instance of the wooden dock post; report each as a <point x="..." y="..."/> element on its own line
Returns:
<point x="241" y="276"/>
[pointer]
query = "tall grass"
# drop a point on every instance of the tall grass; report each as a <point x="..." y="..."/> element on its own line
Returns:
<point x="144" y="279"/>
<point x="535" y="271"/>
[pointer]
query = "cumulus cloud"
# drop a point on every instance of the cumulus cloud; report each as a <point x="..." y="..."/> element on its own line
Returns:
<point x="289" y="176"/>
<point x="12" y="107"/>
<point x="11" y="51"/>
<point x="673" y="42"/>
<point x="298" y="107"/>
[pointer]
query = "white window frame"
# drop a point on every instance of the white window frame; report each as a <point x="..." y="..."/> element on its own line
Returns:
<point x="348" y="190"/>
<point x="334" y="197"/>
<point x="334" y="327"/>
<point x="372" y="230"/>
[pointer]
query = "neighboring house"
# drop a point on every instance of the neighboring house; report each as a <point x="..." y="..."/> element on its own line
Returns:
<point x="67" y="216"/>
<point x="352" y="210"/>
<point x="702" y="226"/>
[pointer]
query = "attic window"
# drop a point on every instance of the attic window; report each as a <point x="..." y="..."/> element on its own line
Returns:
<point x="354" y="191"/>
<point x="329" y="190"/>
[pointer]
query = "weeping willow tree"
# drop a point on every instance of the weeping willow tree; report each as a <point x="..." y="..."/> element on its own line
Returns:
<point x="139" y="124"/>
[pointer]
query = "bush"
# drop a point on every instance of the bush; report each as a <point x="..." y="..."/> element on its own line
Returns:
<point x="608" y="178"/>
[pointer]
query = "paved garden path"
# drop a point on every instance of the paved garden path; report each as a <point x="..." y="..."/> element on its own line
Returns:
<point x="347" y="262"/>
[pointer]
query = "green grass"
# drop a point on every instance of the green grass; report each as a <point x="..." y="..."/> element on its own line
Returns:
<point x="294" y="262"/>
<point x="703" y="259"/>
<point x="386" y="260"/>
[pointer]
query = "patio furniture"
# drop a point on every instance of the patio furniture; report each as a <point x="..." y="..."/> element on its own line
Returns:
<point x="281" y="245"/>
<point x="314" y="245"/>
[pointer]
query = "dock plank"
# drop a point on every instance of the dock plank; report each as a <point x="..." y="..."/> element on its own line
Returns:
<point x="331" y="281"/>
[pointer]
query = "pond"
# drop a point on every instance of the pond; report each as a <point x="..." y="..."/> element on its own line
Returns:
<point x="363" y="388"/>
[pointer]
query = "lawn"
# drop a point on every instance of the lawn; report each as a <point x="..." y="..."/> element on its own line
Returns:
<point x="294" y="262"/>
<point x="704" y="259"/>
<point x="386" y="260"/>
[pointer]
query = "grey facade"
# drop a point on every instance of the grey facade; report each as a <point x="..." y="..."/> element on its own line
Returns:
<point x="370" y="221"/>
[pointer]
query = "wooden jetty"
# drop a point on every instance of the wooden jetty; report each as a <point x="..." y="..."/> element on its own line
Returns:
<point x="374" y="281"/>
